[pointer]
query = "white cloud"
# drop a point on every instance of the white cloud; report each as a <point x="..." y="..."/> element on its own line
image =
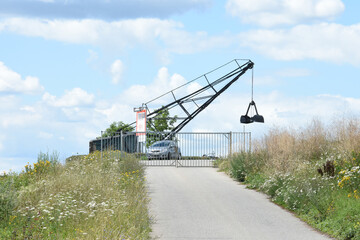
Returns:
<point x="116" y="112"/>
<point x="45" y="135"/>
<point x="72" y="98"/>
<point x="2" y="139"/>
<point x="28" y="109"/>
<point x="104" y="9"/>
<point x="278" y="110"/>
<point x="17" y="119"/>
<point x="8" y="102"/>
<point x="266" y="81"/>
<point x="90" y="31"/>
<point x="270" y="13"/>
<point x="327" y="42"/>
<point x="93" y="56"/>
<point x="117" y="69"/>
<point x="293" y="72"/>
<point x="193" y="87"/>
<point x="289" y="111"/>
<point x="163" y="82"/>
<point x="11" y="82"/>
<point x="165" y="36"/>
<point x="13" y="114"/>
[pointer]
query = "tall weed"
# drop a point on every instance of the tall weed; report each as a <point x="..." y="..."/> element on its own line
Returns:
<point x="8" y="195"/>
<point x="313" y="171"/>
<point x="88" y="198"/>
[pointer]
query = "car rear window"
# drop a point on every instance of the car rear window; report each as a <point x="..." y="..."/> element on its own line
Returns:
<point x="161" y="144"/>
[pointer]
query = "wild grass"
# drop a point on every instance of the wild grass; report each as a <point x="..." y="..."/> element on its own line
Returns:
<point x="313" y="171"/>
<point x="87" y="198"/>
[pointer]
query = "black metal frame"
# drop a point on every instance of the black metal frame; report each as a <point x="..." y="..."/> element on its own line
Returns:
<point x="256" y="118"/>
<point x="231" y="77"/>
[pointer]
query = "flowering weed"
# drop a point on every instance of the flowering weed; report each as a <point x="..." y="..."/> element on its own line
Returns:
<point x="314" y="172"/>
<point x="88" y="198"/>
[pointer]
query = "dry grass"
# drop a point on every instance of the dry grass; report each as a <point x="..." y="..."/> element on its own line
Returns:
<point x="290" y="149"/>
<point x="313" y="171"/>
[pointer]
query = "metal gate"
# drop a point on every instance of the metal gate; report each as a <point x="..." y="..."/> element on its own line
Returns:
<point x="186" y="149"/>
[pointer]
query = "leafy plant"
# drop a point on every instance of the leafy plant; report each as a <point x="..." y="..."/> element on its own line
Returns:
<point x="158" y="126"/>
<point x="8" y="195"/>
<point x="116" y="127"/>
<point x="162" y="122"/>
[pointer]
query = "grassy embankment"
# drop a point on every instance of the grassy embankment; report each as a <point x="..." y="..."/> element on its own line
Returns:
<point x="84" y="199"/>
<point x="314" y="172"/>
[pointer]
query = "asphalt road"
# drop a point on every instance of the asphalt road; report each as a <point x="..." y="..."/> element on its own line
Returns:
<point x="201" y="203"/>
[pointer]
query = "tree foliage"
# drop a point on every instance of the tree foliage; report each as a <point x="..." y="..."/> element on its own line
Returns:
<point x="117" y="127"/>
<point x="162" y="122"/>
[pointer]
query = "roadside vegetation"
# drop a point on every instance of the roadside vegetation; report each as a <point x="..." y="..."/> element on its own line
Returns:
<point x="86" y="198"/>
<point x="314" y="172"/>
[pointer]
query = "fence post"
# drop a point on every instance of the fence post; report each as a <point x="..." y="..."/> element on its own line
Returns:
<point x="101" y="145"/>
<point x="230" y="143"/>
<point x="244" y="137"/>
<point x="121" y="144"/>
<point x="250" y="142"/>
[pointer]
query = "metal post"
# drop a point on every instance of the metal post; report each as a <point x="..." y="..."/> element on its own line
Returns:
<point x="101" y="145"/>
<point x="230" y="143"/>
<point x="121" y="145"/>
<point x="250" y="142"/>
<point x="244" y="136"/>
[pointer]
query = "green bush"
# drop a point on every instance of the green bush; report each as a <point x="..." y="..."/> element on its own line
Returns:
<point x="8" y="196"/>
<point x="255" y="180"/>
<point x="238" y="167"/>
<point x="244" y="164"/>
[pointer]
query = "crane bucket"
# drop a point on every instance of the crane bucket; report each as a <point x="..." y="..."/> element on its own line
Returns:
<point x="255" y="118"/>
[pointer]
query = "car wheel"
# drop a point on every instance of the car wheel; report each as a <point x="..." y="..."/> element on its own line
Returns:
<point x="168" y="157"/>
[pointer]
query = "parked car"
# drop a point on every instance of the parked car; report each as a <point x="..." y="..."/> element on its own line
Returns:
<point x="166" y="149"/>
<point x="210" y="155"/>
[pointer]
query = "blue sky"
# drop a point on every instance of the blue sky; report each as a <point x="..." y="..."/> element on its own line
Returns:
<point x="68" y="68"/>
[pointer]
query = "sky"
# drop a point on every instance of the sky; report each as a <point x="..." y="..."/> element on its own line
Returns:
<point x="69" y="68"/>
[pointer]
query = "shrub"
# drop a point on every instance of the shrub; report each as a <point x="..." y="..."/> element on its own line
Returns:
<point x="238" y="167"/>
<point x="8" y="195"/>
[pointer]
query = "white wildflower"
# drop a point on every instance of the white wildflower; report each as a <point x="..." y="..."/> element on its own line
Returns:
<point x="91" y="204"/>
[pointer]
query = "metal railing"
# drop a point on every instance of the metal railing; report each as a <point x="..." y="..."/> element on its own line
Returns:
<point x="186" y="149"/>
